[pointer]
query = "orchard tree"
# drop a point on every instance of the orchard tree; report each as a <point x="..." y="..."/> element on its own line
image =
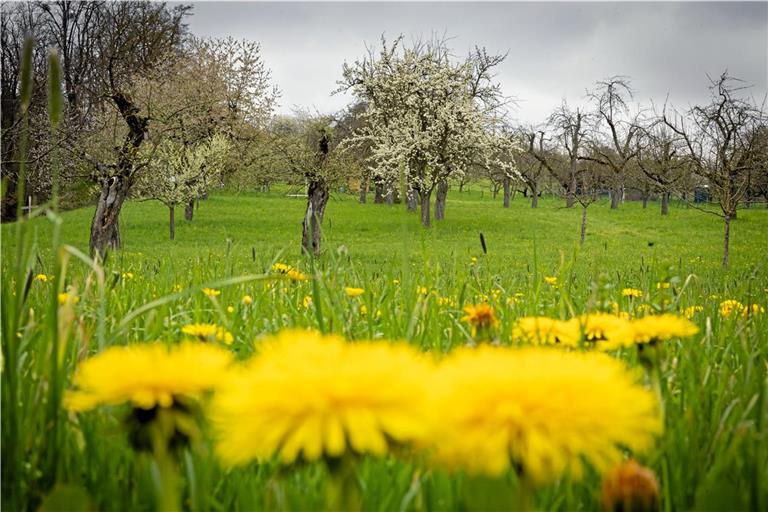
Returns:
<point x="180" y="172"/>
<point x="661" y="159"/>
<point x="428" y="117"/>
<point x="720" y="142"/>
<point x="613" y="138"/>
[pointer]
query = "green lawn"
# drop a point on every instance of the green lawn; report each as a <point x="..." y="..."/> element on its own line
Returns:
<point x="713" y="454"/>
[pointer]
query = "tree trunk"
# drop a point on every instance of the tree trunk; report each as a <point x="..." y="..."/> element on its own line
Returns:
<point x="507" y="183"/>
<point x="412" y="199"/>
<point x="389" y="198"/>
<point x="442" y="193"/>
<point x="317" y="199"/>
<point x="105" y="228"/>
<point x="583" y="225"/>
<point x="495" y="190"/>
<point x="189" y="210"/>
<point x="727" y="240"/>
<point x="425" y="217"/>
<point x="570" y="192"/>
<point x="378" y="192"/>
<point x="172" y="221"/>
<point x="665" y="203"/>
<point x="645" y="201"/>
<point x="363" y="190"/>
<point x="615" y="197"/>
<point x="535" y="195"/>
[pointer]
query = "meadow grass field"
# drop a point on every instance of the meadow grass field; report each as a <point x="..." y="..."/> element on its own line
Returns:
<point x="711" y="455"/>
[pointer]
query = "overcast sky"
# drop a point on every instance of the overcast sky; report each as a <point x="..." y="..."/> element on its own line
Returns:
<point x="556" y="50"/>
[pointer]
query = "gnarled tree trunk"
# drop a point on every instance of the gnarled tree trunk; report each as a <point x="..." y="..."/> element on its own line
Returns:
<point x="665" y="203"/>
<point x="363" y="197"/>
<point x="727" y="240"/>
<point x="535" y="195"/>
<point x="412" y="199"/>
<point x="570" y="191"/>
<point x="105" y="228"/>
<point x="425" y="197"/>
<point x="172" y="221"/>
<point x="616" y="194"/>
<point x="378" y="197"/>
<point x="189" y="210"/>
<point x="440" y="197"/>
<point x="317" y="199"/>
<point x="507" y="184"/>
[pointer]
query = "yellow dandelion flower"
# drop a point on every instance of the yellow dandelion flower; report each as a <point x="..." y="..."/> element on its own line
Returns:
<point x="752" y="309"/>
<point x="247" y="300"/>
<point x="177" y="287"/>
<point x="662" y="327"/>
<point x="630" y="486"/>
<point x="730" y="306"/>
<point x="606" y="331"/>
<point x="147" y="375"/>
<point x="211" y="292"/>
<point x="643" y="308"/>
<point x="447" y="302"/>
<point x="511" y="301"/>
<point x="288" y="271"/>
<point x="480" y="317"/>
<point x="692" y="310"/>
<point x="631" y="292"/>
<point x="230" y="309"/>
<point x="208" y="332"/>
<point x="663" y="285"/>
<point x="363" y="310"/>
<point x="42" y="278"/>
<point x="306" y="301"/>
<point x="551" y="280"/>
<point x="353" y="292"/>
<point x="127" y="275"/>
<point x="473" y="260"/>
<point x="544" y="330"/>
<point x="422" y="290"/>
<point x="324" y="398"/>
<point x="539" y="410"/>
<point x="395" y="282"/>
<point x="68" y="298"/>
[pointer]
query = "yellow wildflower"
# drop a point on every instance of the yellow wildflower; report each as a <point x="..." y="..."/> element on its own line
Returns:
<point x="752" y="309"/>
<point x="422" y="290"/>
<point x="208" y="332"/>
<point x="662" y="327"/>
<point x="446" y="302"/>
<point x="542" y="330"/>
<point x="68" y="298"/>
<point x="127" y="275"/>
<point x="540" y="410"/>
<point x="42" y="278"/>
<point x="230" y="309"/>
<point x="324" y="398"/>
<point x="631" y="292"/>
<point x="211" y="292"/>
<point x="353" y="292"/>
<point x="306" y="301"/>
<point x="481" y="318"/>
<point x="607" y="331"/>
<point x="473" y="260"/>
<point x="663" y="285"/>
<point x="147" y="375"/>
<point x="551" y="280"/>
<point x="288" y="271"/>
<point x="692" y="310"/>
<point x="247" y="300"/>
<point x="730" y="306"/>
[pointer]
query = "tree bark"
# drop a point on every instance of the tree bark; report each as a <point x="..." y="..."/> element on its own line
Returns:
<point x="570" y="192"/>
<point x="425" y="216"/>
<point x="412" y="199"/>
<point x="378" y="192"/>
<point x="363" y="190"/>
<point x="317" y="199"/>
<point x="583" y="225"/>
<point x="665" y="203"/>
<point x="189" y="210"/>
<point x="442" y="194"/>
<point x="507" y="184"/>
<point x="172" y="221"/>
<point x="534" y="195"/>
<point x="645" y="201"/>
<point x="727" y="240"/>
<point x="105" y="228"/>
<point x="389" y="198"/>
<point x="615" y="197"/>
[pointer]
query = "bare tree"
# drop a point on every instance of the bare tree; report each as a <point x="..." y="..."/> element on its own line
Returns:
<point x="720" y="143"/>
<point x="616" y="147"/>
<point x="660" y="159"/>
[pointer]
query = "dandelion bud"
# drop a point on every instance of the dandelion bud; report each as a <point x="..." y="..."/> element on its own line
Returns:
<point x="630" y="487"/>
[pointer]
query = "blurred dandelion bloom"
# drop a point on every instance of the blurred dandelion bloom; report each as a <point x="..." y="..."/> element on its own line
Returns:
<point x="353" y="292"/>
<point x="607" y="331"/>
<point x="247" y="300"/>
<point x="211" y="292"/>
<point x="631" y="292"/>
<point x="480" y="317"/>
<point x="147" y="375"/>
<point x="42" y="278"/>
<point x="663" y="285"/>
<point x="752" y="309"/>
<point x="306" y="301"/>
<point x="68" y="298"/>
<point x="422" y="290"/>
<point x="446" y="302"/>
<point x="543" y="330"/>
<point x="230" y="309"/>
<point x="208" y="332"/>
<point x="730" y="306"/>
<point x="288" y="271"/>
<point x="690" y="311"/>
<point x="127" y="275"/>
<point x="551" y="280"/>
<point x="662" y="327"/>
<point x="540" y="411"/>
<point x="310" y="396"/>
<point x="630" y="487"/>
